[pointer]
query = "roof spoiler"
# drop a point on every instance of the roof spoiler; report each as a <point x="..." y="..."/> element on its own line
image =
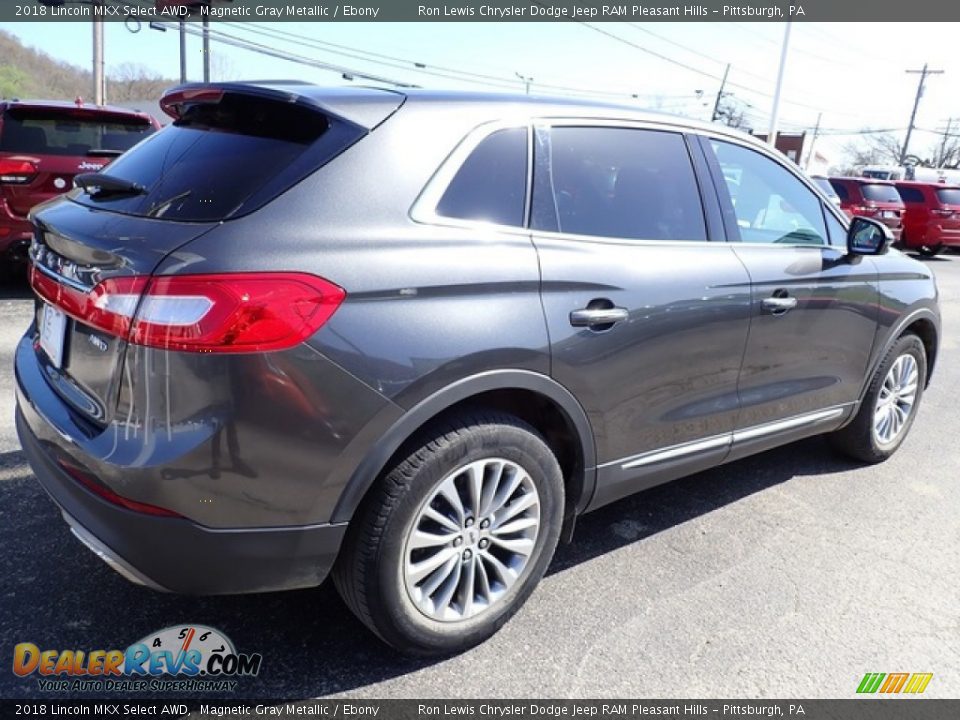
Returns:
<point x="366" y="107"/>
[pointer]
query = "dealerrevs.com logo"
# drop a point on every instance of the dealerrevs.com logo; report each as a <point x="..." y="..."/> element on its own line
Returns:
<point x="188" y="658"/>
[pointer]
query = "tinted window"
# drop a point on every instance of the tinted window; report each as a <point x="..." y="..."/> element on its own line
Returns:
<point x="617" y="182"/>
<point x="910" y="194"/>
<point x="949" y="196"/>
<point x="841" y="190"/>
<point x="69" y="132"/>
<point x="880" y="193"/>
<point x="209" y="163"/>
<point x="770" y="203"/>
<point x="491" y="185"/>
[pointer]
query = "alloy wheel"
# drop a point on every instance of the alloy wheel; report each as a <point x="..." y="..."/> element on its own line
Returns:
<point x="471" y="539"/>
<point x="896" y="399"/>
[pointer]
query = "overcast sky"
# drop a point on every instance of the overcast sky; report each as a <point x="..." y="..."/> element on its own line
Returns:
<point x="852" y="73"/>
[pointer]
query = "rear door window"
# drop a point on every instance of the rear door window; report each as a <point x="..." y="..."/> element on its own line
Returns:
<point x="226" y="158"/>
<point x="616" y="182"/>
<point x="491" y="185"/>
<point x="39" y="131"/>
<point x="880" y="193"/>
<point x="841" y="190"/>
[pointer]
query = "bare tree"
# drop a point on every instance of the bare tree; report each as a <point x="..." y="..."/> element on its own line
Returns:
<point x="881" y="148"/>
<point x="733" y="112"/>
<point x="132" y="81"/>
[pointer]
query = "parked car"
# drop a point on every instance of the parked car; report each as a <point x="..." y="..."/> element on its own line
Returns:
<point x="43" y="145"/>
<point x="865" y="197"/>
<point x="931" y="219"/>
<point x="407" y="338"/>
<point x="826" y="188"/>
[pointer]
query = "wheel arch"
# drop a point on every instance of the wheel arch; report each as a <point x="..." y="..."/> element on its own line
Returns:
<point x="533" y="397"/>
<point x="922" y="322"/>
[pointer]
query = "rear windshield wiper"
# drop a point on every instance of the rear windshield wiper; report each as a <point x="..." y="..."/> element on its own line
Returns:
<point x="103" y="184"/>
<point x="104" y="152"/>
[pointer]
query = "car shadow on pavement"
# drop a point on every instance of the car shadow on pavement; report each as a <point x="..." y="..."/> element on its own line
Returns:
<point x="15" y="289"/>
<point x="58" y="595"/>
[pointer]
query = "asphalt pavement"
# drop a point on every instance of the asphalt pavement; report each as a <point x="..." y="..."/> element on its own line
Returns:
<point x="789" y="574"/>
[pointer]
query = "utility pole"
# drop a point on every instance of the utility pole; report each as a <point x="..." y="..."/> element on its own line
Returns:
<point x="723" y="85"/>
<point x="813" y="141"/>
<point x="206" y="48"/>
<point x="775" y="112"/>
<point x="941" y="156"/>
<point x="99" y="82"/>
<point x="916" y="103"/>
<point x="526" y="81"/>
<point x="183" y="50"/>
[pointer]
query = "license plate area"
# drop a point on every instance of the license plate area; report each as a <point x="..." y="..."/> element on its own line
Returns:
<point x="53" y="331"/>
<point x="889" y="214"/>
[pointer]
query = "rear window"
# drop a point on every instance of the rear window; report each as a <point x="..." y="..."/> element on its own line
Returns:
<point x="949" y="196"/>
<point x="880" y="193"/>
<point x="222" y="159"/>
<point x="65" y="132"/>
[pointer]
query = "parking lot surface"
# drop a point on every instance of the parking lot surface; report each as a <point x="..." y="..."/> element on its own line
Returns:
<point x="789" y="574"/>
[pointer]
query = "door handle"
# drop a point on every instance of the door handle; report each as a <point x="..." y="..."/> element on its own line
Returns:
<point x="779" y="305"/>
<point x="591" y="317"/>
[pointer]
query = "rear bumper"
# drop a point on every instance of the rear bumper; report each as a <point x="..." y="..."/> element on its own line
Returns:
<point x="178" y="555"/>
<point x="947" y="236"/>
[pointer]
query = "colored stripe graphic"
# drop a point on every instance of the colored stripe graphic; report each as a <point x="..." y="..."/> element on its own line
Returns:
<point x="894" y="683"/>
<point x="870" y="682"/>
<point x="918" y="683"/>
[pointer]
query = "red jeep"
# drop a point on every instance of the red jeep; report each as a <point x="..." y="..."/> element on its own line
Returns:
<point x="867" y="197"/>
<point x="931" y="221"/>
<point x="43" y="144"/>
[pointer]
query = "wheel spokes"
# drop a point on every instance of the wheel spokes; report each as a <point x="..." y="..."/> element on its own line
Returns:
<point x="896" y="399"/>
<point x="472" y="539"/>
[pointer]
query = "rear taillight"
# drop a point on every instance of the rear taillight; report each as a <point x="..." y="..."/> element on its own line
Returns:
<point x="226" y="313"/>
<point x="16" y="172"/>
<point x="865" y="210"/>
<point x="942" y="212"/>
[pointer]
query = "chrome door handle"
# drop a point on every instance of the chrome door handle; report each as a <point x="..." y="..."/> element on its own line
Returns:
<point x="588" y="317"/>
<point x="779" y="305"/>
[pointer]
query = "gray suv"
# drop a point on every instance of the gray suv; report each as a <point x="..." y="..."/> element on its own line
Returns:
<point x="406" y="339"/>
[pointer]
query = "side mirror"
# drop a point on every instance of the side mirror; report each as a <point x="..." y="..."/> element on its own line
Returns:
<point x="868" y="237"/>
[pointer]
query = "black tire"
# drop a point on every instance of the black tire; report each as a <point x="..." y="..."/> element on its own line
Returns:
<point x="930" y="250"/>
<point x="858" y="438"/>
<point x="369" y="574"/>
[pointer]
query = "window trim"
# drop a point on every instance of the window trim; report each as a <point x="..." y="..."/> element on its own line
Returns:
<point x="727" y="209"/>
<point x="424" y="208"/>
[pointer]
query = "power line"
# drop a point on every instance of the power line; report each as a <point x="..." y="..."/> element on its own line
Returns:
<point x="423" y="67"/>
<point x="698" y="71"/>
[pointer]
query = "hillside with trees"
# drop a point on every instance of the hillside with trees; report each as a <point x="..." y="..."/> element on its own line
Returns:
<point x="26" y="72"/>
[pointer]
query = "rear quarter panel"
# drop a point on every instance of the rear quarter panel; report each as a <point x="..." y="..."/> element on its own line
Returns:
<point x="426" y="305"/>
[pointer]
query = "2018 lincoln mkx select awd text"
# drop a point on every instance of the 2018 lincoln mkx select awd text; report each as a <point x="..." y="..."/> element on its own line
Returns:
<point x="406" y="338"/>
